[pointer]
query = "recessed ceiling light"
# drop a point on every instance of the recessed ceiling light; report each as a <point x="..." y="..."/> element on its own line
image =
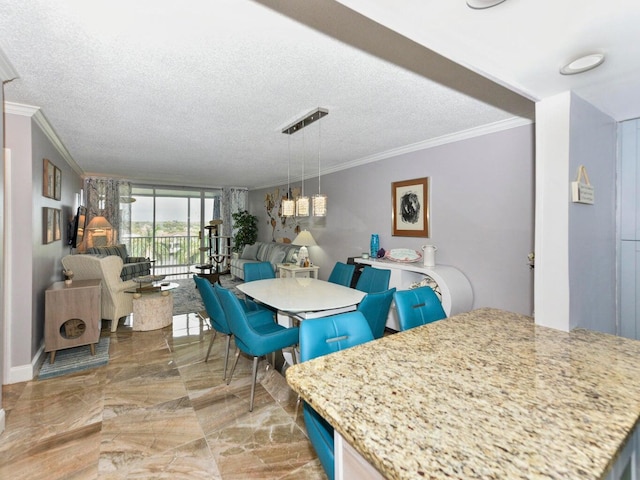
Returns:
<point x="582" y="64"/>
<point x="480" y="4"/>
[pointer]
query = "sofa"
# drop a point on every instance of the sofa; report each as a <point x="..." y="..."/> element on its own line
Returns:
<point x="272" y="252"/>
<point x="132" y="267"/>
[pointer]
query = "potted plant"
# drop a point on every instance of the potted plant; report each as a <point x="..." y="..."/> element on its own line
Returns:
<point x="246" y="226"/>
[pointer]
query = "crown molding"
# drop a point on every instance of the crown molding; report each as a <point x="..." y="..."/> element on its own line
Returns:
<point x="499" y="126"/>
<point x="7" y="72"/>
<point x="42" y="122"/>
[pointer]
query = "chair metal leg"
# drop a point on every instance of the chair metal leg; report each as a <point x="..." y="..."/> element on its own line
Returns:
<point x="215" y="332"/>
<point x="253" y="383"/>
<point x="226" y="357"/>
<point x="234" y="366"/>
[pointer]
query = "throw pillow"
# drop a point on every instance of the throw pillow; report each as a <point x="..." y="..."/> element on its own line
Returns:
<point x="277" y="256"/>
<point x="249" y="252"/>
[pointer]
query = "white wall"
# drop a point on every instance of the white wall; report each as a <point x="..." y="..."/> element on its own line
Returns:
<point x="482" y="197"/>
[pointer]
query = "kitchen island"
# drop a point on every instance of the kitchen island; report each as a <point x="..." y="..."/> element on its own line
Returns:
<point x="483" y="394"/>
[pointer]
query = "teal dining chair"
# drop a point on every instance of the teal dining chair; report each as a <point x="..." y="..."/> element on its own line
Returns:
<point x="375" y="308"/>
<point x="318" y="337"/>
<point x="342" y="274"/>
<point x="258" y="271"/>
<point x="373" y="280"/>
<point x="255" y="339"/>
<point x="218" y="318"/>
<point x="417" y="307"/>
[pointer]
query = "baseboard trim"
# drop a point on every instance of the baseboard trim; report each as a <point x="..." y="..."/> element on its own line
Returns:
<point x="25" y="373"/>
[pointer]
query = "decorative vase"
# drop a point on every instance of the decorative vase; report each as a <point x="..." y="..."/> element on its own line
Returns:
<point x="429" y="256"/>
<point x="375" y="245"/>
<point x="68" y="281"/>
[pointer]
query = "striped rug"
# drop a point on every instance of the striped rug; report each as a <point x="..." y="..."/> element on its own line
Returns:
<point x="75" y="359"/>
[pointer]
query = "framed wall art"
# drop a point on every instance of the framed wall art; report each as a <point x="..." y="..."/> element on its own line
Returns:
<point x="57" y="183"/>
<point x="48" y="178"/>
<point x="51" y="225"/>
<point x="410" y="208"/>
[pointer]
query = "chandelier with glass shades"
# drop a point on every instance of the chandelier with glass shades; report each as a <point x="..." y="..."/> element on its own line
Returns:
<point x="301" y="204"/>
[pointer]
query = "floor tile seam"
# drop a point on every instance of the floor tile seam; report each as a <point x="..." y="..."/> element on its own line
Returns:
<point x="37" y="445"/>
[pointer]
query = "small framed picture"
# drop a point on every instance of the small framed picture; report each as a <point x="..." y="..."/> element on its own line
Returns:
<point x="57" y="232"/>
<point x="410" y="208"/>
<point x="48" y="178"/>
<point x="47" y="225"/>
<point x="57" y="183"/>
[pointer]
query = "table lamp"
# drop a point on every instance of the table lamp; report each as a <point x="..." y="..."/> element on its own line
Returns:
<point x="304" y="239"/>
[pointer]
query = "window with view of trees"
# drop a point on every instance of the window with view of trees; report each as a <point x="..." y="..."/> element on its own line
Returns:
<point x="166" y="225"/>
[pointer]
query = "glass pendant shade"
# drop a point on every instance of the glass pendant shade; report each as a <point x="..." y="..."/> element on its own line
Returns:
<point x="302" y="206"/>
<point x="319" y="203"/>
<point x="288" y="208"/>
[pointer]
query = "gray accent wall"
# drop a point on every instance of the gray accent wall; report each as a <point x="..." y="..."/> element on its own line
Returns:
<point x="35" y="266"/>
<point x="592" y="228"/>
<point x="481" y="212"/>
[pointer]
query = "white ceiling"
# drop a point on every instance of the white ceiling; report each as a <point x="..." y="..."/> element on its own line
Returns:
<point x="197" y="93"/>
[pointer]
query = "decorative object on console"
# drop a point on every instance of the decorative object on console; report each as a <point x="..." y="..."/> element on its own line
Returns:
<point x="68" y="277"/>
<point x="405" y="255"/>
<point x="429" y="255"/>
<point x="410" y="208"/>
<point x="304" y="239"/>
<point x="375" y="245"/>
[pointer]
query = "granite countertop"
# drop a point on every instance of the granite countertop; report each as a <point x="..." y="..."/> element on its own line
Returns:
<point x="484" y="394"/>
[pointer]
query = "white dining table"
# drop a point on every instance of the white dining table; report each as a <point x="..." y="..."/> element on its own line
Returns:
<point x="299" y="298"/>
<point x="303" y="297"/>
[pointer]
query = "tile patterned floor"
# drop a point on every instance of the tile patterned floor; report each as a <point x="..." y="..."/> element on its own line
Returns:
<point x="157" y="410"/>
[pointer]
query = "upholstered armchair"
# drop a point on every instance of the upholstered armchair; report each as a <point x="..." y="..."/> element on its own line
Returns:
<point x="115" y="302"/>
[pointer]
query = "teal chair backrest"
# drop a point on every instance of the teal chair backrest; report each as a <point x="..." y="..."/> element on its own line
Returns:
<point x="212" y="305"/>
<point x="373" y="280"/>
<point x="258" y="271"/>
<point x="318" y="337"/>
<point x="417" y="307"/>
<point x="342" y="274"/>
<point x="375" y="308"/>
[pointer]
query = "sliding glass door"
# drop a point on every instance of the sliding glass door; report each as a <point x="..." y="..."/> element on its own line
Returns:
<point x="167" y="225"/>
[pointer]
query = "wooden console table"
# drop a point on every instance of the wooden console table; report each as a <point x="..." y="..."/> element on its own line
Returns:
<point x="72" y="316"/>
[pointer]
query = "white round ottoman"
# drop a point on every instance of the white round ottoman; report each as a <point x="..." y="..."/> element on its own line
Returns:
<point x="152" y="311"/>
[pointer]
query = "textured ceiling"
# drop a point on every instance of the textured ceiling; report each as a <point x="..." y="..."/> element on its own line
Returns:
<point x="196" y="93"/>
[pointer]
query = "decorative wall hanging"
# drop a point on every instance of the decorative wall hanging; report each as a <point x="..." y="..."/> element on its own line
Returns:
<point x="51" y="225"/>
<point x="410" y="208"/>
<point x="57" y="183"/>
<point x="48" y="178"/>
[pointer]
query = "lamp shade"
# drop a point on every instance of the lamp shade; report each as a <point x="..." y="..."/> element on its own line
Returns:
<point x="99" y="223"/>
<point x="305" y="239"/>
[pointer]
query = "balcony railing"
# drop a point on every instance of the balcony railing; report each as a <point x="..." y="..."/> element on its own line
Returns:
<point x="173" y="251"/>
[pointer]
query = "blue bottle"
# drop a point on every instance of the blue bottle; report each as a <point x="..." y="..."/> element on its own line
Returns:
<point x="375" y="245"/>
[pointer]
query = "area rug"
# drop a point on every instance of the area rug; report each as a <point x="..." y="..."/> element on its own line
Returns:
<point x="75" y="359"/>
<point x="186" y="298"/>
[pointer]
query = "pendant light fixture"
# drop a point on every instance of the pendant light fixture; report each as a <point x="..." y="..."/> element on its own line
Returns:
<point x="288" y="205"/>
<point x="319" y="201"/>
<point x="302" y="202"/>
